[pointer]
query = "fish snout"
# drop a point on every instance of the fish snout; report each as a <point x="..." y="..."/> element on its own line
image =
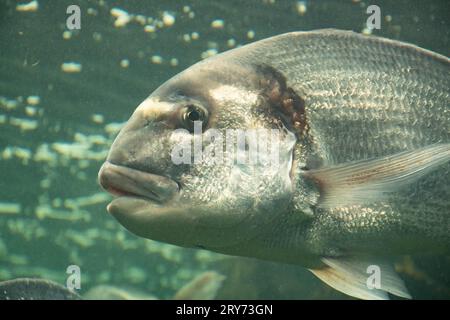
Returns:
<point x="144" y="142"/>
<point x="124" y="181"/>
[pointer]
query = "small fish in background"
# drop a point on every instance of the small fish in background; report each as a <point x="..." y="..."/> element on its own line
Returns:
<point x="35" y="289"/>
<point x="203" y="287"/>
<point x="108" y="292"/>
<point x="364" y="150"/>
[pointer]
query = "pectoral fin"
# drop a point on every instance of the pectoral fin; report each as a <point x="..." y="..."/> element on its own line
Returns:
<point x="370" y="180"/>
<point x="362" y="279"/>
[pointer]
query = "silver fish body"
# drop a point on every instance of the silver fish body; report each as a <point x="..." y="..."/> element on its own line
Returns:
<point x="364" y="150"/>
<point x="367" y="97"/>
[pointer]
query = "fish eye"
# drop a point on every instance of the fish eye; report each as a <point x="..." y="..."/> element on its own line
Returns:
<point x="192" y="113"/>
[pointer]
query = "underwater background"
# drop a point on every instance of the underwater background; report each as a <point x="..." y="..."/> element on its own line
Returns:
<point x="65" y="94"/>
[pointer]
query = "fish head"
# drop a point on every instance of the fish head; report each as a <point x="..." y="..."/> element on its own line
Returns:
<point x="183" y="167"/>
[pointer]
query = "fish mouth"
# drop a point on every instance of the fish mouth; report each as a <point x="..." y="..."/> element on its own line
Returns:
<point x="122" y="181"/>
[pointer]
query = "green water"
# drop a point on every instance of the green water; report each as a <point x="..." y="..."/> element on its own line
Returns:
<point x="56" y="128"/>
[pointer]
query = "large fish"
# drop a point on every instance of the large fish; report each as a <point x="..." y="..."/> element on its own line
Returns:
<point x="362" y="171"/>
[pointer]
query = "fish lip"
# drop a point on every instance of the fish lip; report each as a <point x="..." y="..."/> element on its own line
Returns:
<point x="123" y="181"/>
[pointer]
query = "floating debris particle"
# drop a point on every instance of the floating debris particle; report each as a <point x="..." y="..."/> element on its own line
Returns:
<point x="33" y="100"/>
<point x="43" y="154"/>
<point x="156" y="59"/>
<point x="174" y="62"/>
<point x="8" y="104"/>
<point x="92" y="12"/>
<point x="30" y="6"/>
<point x="114" y="127"/>
<point x="135" y="275"/>
<point x="251" y="34"/>
<point x="25" y="228"/>
<point x="18" y="152"/>
<point x="98" y="118"/>
<point x="71" y="67"/>
<point x="186" y="37"/>
<point x="22" y="153"/>
<point x="388" y="18"/>
<point x="122" y="17"/>
<point x="79" y="239"/>
<point x="117" y="12"/>
<point x="186" y="9"/>
<point x="9" y="208"/>
<point x="77" y="203"/>
<point x="168" y="19"/>
<point x="83" y="164"/>
<point x="209" y="53"/>
<point x="2" y="119"/>
<point x="79" y="151"/>
<point x="301" y="7"/>
<point x="97" y="36"/>
<point x="7" y="153"/>
<point x="142" y="20"/>
<point x="217" y="24"/>
<point x="57" y="202"/>
<point x="72" y="150"/>
<point x="98" y="139"/>
<point x="45" y="183"/>
<point x="150" y="28"/>
<point x="170" y="254"/>
<point x="231" y="43"/>
<point x="124" y="63"/>
<point x="67" y="35"/>
<point x="195" y="36"/>
<point x="23" y="124"/>
<point x="213" y="45"/>
<point x="366" y="31"/>
<point x="30" y="111"/>
<point x="47" y="212"/>
<point x="191" y="15"/>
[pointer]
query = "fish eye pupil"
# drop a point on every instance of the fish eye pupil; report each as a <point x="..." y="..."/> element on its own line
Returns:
<point x="193" y="115"/>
